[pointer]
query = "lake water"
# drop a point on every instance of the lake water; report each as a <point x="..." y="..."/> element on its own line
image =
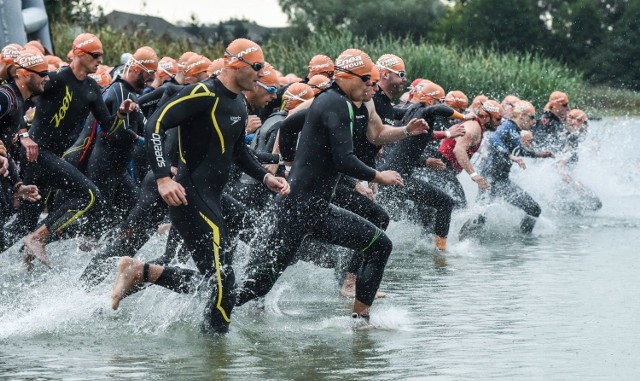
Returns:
<point x="559" y="304"/>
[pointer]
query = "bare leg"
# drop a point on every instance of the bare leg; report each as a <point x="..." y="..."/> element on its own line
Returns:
<point x="348" y="289"/>
<point x="360" y="308"/>
<point x="130" y="273"/>
<point x="34" y="246"/>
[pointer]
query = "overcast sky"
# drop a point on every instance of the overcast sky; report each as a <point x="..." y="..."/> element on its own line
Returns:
<point x="263" y="12"/>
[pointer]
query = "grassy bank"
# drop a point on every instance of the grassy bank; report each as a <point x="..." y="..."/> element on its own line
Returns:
<point x="472" y="70"/>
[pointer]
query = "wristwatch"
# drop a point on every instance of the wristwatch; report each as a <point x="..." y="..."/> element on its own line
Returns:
<point x="23" y="135"/>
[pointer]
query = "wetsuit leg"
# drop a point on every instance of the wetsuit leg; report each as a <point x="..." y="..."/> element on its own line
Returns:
<point x="359" y="204"/>
<point x="347" y="229"/>
<point x="447" y="181"/>
<point x="517" y="197"/>
<point x="80" y="193"/>
<point x="134" y="232"/>
<point x="202" y="227"/>
<point x="425" y="194"/>
<point x="271" y="258"/>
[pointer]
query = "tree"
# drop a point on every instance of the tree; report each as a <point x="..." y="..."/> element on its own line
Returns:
<point x="615" y="61"/>
<point x="370" y="18"/>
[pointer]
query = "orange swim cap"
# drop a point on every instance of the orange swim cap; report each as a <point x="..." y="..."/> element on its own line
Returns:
<point x="509" y="100"/>
<point x="318" y="83"/>
<point x="35" y="45"/>
<point x="86" y="43"/>
<point x="102" y="76"/>
<point x="167" y="67"/>
<point x="579" y="116"/>
<point x="353" y="61"/>
<point x="216" y="67"/>
<point x="31" y="60"/>
<point x="242" y="52"/>
<point x="520" y="107"/>
<point x="456" y="99"/>
<point x="144" y="58"/>
<point x="268" y="76"/>
<point x="493" y="108"/>
<point x="427" y="91"/>
<point x="296" y="94"/>
<point x="197" y="64"/>
<point x="53" y="60"/>
<point x="390" y="62"/>
<point x="10" y="53"/>
<point x="479" y="100"/>
<point x="182" y="61"/>
<point x="320" y="64"/>
<point x="559" y="97"/>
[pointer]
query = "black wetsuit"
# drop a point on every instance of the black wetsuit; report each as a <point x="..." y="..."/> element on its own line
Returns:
<point x="60" y="111"/>
<point x="496" y="168"/>
<point x="11" y="120"/>
<point x="212" y="123"/>
<point x="405" y="156"/>
<point x="324" y="152"/>
<point x="108" y="160"/>
<point x="547" y="132"/>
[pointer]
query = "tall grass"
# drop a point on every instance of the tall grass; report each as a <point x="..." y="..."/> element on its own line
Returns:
<point x="469" y="69"/>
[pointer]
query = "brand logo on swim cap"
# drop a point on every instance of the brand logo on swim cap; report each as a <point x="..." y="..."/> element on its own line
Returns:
<point x="195" y="64"/>
<point x="490" y="108"/>
<point x="350" y="62"/>
<point x="521" y="107"/>
<point x="247" y="51"/>
<point x="166" y="65"/>
<point x="146" y="61"/>
<point x="387" y="63"/>
<point x="30" y="60"/>
<point x="10" y="52"/>
<point x="84" y="43"/>
<point x="319" y="66"/>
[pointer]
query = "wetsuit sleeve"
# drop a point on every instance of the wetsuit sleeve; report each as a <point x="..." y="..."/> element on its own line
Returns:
<point x="338" y="119"/>
<point x="101" y="112"/>
<point x="150" y="100"/>
<point x="192" y="100"/>
<point x="498" y="138"/>
<point x="5" y="103"/>
<point x="266" y="157"/>
<point x="120" y="131"/>
<point x="289" y="131"/>
<point x="247" y="161"/>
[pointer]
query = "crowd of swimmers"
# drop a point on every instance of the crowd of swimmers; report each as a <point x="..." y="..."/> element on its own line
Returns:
<point x="228" y="149"/>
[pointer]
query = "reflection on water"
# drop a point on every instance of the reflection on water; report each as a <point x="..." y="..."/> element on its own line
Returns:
<point x="559" y="304"/>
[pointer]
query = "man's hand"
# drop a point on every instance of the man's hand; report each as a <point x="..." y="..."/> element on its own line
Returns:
<point x="457" y="130"/>
<point x="277" y="184"/>
<point x="253" y="123"/>
<point x="171" y="192"/>
<point x="31" y="148"/>
<point x="3" y="149"/>
<point x="4" y="166"/>
<point x="127" y="106"/>
<point x="518" y="160"/>
<point x="389" y="178"/>
<point x="417" y="127"/>
<point x="545" y="154"/>
<point x="364" y="190"/>
<point x="481" y="181"/>
<point x="28" y="192"/>
<point x="434" y="163"/>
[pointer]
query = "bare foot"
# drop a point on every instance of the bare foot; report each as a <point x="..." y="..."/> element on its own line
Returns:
<point x="35" y="248"/>
<point x="348" y="289"/>
<point x="129" y="275"/>
<point x="164" y="229"/>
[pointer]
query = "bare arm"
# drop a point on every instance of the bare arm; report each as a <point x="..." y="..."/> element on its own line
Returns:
<point x="463" y="143"/>
<point x="379" y="133"/>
